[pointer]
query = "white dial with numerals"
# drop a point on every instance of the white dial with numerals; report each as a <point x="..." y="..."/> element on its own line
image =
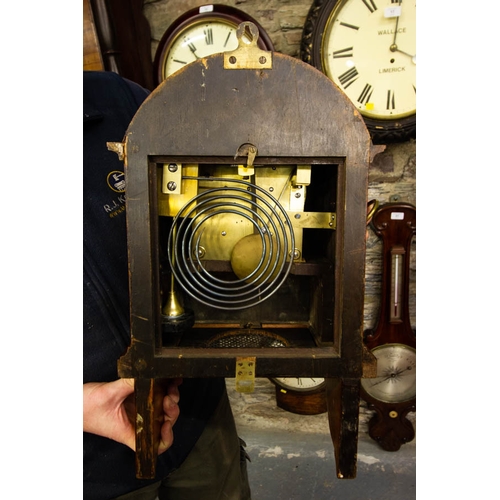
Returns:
<point x="369" y="51"/>
<point x="200" y="39"/>
<point x="299" y="384"/>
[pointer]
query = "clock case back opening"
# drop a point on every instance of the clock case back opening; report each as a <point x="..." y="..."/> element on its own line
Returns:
<point x="307" y="138"/>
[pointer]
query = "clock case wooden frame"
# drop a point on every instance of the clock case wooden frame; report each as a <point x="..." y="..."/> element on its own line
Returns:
<point x="381" y="131"/>
<point x="293" y="115"/>
<point x="224" y="12"/>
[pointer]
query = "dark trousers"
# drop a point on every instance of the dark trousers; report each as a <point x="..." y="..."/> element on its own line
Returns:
<point x="215" y="469"/>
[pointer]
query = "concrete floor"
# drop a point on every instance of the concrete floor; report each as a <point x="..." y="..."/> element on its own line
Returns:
<point x="288" y="466"/>
<point x="292" y="455"/>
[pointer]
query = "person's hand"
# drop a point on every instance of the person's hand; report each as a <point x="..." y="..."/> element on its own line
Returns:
<point x="109" y="411"/>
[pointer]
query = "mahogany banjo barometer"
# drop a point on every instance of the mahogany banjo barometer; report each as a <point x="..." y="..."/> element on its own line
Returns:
<point x="243" y="171"/>
<point x="392" y="393"/>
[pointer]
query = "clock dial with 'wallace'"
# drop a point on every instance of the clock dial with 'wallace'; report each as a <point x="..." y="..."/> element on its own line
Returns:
<point x="368" y="48"/>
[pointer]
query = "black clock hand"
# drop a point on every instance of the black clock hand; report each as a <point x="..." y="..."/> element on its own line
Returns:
<point x="397" y="373"/>
<point x="396" y="29"/>
<point x="408" y="369"/>
<point x="380" y="381"/>
<point x="394" y="48"/>
<point x="192" y="48"/>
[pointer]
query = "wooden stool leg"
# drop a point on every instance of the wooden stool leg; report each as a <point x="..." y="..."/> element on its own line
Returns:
<point x="342" y="397"/>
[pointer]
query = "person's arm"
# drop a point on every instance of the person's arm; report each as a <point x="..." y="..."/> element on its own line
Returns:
<point x="108" y="411"/>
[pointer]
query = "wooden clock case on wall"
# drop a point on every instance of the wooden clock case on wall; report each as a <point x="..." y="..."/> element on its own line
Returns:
<point x="392" y="394"/>
<point x="260" y="140"/>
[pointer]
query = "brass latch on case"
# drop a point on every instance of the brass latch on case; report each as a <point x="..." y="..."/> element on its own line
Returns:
<point x="245" y="374"/>
<point x="250" y="151"/>
<point x="118" y="148"/>
<point x="248" y="55"/>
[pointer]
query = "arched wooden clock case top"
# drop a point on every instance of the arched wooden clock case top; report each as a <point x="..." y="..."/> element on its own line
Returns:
<point x="381" y="131"/>
<point x="395" y="223"/>
<point x="205" y="13"/>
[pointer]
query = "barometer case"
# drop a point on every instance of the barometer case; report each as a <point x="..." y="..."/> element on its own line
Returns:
<point x="392" y="393"/>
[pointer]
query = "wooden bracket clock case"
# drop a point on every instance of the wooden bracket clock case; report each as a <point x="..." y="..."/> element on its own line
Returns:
<point x="246" y="181"/>
<point x="392" y="393"/>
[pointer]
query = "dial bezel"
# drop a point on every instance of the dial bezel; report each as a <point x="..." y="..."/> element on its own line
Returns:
<point x="218" y="13"/>
<point x="287" y="384"/>
<point x="367" y="383"/>
<point x="321" y="15"/>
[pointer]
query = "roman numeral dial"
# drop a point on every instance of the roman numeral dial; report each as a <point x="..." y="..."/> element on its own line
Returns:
<point x="201" y="32"/>
<point x="369" y="50"/>
<point x="200" y="40"/>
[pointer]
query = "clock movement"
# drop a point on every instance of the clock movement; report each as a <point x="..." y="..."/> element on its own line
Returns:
<point x="200" y="32"/>
<point x="392" y="393"/>
<point x="306" y="396"/>
<point x="244" y="171"/>
<point x="368" y="48"/>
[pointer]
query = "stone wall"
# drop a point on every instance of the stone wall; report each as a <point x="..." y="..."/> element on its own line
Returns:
<point x="282" y="20"/>
<point x="393" y="173"/>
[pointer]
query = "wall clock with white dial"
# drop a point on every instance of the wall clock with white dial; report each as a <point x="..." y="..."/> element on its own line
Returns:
<point x="392" y="394"/>
<point x="201" y="32"/>
<point x="368" y="48"/>
<point x="302" y="395"/>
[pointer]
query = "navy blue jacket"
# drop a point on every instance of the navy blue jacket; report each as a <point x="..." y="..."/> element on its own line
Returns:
<point x="109" y="103"/>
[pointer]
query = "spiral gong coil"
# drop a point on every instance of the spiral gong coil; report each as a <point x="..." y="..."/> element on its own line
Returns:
<point x="266" y="248"/>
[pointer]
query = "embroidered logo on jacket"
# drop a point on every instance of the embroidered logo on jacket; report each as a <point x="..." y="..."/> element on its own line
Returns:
<point x="116" y="182"/>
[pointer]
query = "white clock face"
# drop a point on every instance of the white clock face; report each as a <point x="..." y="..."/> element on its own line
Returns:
<point x="369" y="51"/>
<point x="299" y="384"/>
<point x="396" y="374"/>
<point x="200" y="39"/>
